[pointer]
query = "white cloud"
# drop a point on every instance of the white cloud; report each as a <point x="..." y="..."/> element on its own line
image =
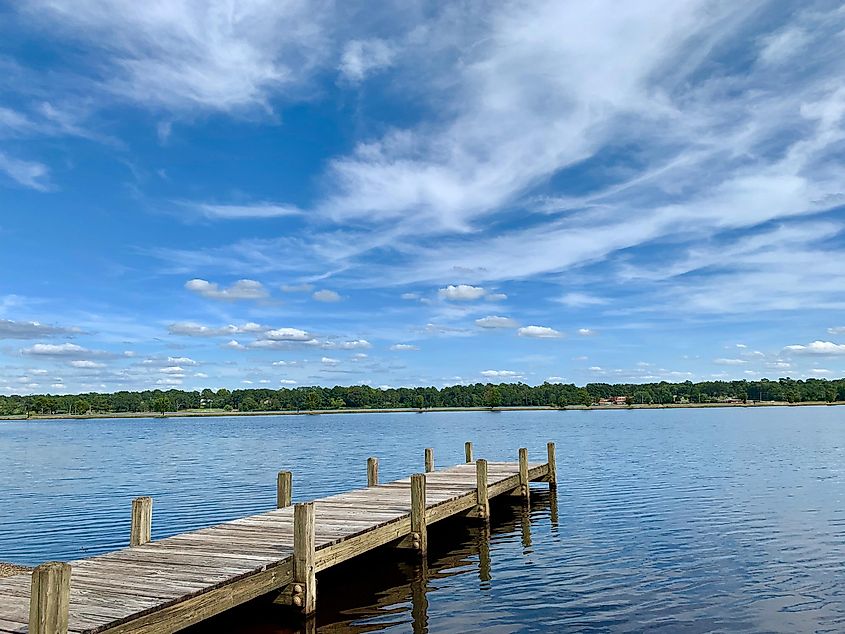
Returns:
<point x="403" y="347"/>
<point x="173" y="369"/>
<point x="783" y="45"/>
<point x="234" y="344"/>
<point x="86" y="364"/>
<point x="239" y="212"/>
<point x="242" y="289"/>
<point x="363" y="57"/>
<point x="495" y="321"/>
<point x="461" y="293"/>
<point x="192" y="329"/>
<point x="56" y="350"/>
<point x="329" y="361"/>
<point x="586" y="332"/>
<point x="354" y="344"/>
<point x="287" y="334"/>
<point x="501" y="374"/>
<point x="724" y="361"/>
<point x="836" y="330"/>
<point x="287" y="382"/>
<point x="496" y="297"/>
<point x="580" y="300"/>
<point x="326" y="295"/>
<point x="410" y="296"/>
<point x="185" y="56"/>
<point x="542" y="332"/>
<point x="285" y="363"/>
<point x="817" y="348"/>
<point x="27" y="173"/>
<point x="181" y="361"/>
<point x="30" y="330"/>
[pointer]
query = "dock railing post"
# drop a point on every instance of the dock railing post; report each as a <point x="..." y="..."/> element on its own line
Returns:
<point x="523" y="474"/>
<point x="468" y="452"/>
<point x="304" y="587"/>
<point x="429" y="460"/>
<point x="49" y="598"/>
<point x="142" y="521"/>
<point x="482" y="500"/>
<point x="552" y="466"/>
<point x="284" y="489"/>
<point x="372" y="472"/>
<point x="419" y="530"/>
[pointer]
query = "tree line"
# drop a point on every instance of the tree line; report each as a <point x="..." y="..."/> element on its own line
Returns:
<point x="476" y="395"/>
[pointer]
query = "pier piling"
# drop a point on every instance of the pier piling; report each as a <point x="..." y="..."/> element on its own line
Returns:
<point x="142" y="521"/>
<point x="284" y="489"/>
<point x="372" y="472"/>
<point x="49" y="598"/>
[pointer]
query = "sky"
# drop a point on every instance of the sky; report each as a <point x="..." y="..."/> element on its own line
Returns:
<point x="289" y="193"/>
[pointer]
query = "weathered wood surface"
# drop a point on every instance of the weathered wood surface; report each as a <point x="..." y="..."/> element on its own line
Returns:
<point x="166" y="585"/>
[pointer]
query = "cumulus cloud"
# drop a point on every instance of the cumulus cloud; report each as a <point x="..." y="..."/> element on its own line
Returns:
<point x="242" y="289"/>
<point x="326" y="295"/>
<point x="87" y="364"/>
<point x="586" y="332"/>
<point x="501" y="374"/>
<point x="329" y="361"/>
<point x="364" y="57"/>
<point x="495" y="321"/>
<point x="193" y="329"/>
<point x="403" y="347"/>
<point x="287" y="334"/>
<point x="461" y="293"/>
<point x="30" y="330"/>
<point x="540" y="332"/>
<point x="56" y="350"/>
<point x="354" y="344"/>
<point x="817" y="348"/>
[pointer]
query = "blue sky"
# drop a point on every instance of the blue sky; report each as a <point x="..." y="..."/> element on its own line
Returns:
<point x="275" y="194"/>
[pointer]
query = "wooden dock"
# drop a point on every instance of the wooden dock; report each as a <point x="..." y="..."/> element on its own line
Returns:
<point x="167" y="585"/>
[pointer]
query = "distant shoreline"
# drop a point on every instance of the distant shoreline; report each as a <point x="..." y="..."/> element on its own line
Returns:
<point x="214" y="413"/>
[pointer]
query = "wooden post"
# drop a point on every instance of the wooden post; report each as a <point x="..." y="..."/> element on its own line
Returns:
<point x="419" y="530"/>
<point x="468" y="452"/>
<point x="523" y="473"/>
<point x="429" y="460"/>
<point x="372" y="472"/>
<point x="482" y="500"/>
<point x="552" y="466"/>
<point x="284" y="489"/>
<point x="304" y="587"/>
<point x="48" y="599"/>
<point x="142" y="521"/>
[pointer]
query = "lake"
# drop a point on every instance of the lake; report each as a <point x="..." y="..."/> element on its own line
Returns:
<point x="682" y="520"/>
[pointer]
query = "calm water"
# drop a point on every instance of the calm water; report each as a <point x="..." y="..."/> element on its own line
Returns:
<point x="672" y="520"/>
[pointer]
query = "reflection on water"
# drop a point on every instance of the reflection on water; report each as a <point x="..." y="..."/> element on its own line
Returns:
<point x="664" y="521"/>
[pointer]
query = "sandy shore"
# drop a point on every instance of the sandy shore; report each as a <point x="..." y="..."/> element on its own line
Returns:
<point x="10" y="570"/>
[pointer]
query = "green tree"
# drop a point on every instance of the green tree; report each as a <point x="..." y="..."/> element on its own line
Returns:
<point x="492" y="396"/>
<point x="162" y="405"/>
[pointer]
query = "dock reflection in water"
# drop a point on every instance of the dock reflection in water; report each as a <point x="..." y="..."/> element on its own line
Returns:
<point x="386" y="590"/>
